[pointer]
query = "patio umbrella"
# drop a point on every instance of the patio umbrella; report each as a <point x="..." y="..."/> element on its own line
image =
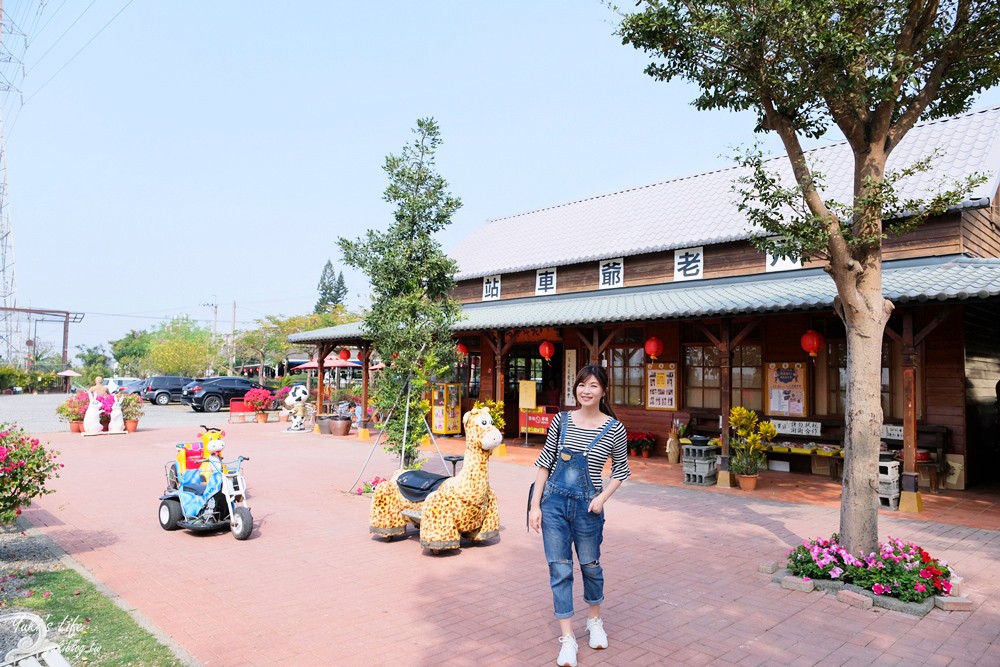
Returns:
<point x="69" y="373"/>
<point x="330" y="362"/>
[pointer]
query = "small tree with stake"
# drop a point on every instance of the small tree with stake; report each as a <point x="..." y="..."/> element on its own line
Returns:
<point x="412" y="312"/>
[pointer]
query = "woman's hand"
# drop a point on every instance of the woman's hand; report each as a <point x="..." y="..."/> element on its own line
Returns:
<point x="597" y="504"/>
<point x="535" y="519"/>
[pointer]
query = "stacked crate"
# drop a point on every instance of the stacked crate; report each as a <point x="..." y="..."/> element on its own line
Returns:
<point x="888" y="484"/>
<point x="700" y="464"/>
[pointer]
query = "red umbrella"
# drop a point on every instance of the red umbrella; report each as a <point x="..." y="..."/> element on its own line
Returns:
<point x="330" y="362"/>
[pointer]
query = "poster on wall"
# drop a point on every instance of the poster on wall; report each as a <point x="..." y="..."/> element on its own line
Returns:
<point x="661" y="386"/>
<point x="786" y="384"/>
<point x="569" y="378"/>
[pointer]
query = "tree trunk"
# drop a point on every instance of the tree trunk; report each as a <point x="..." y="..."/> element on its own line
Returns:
<point x="859" y="502"/>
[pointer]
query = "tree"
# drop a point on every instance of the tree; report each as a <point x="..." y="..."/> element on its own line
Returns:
<point x="412" y="312"/>
<point x="181" y="347"/>
<point x="872" y="68"/>
<point x="331" y="287"/>
<point x="131" y="352"/>
<point x="95" y="362"/>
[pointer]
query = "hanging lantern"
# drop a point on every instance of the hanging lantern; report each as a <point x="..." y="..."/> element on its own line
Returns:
<point x="461" y="349"/>
<point x="345" y="354"/>
<point x="546" y="349"/>
<point x="812" y="342"/>
<point x="654" y="347"/>
<point x="361" y="355"/>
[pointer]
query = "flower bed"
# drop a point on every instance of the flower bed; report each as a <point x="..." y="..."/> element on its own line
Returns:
<point x="898" y="569"/>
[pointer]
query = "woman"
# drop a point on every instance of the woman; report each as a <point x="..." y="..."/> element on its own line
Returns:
<point x="570" y="511"/>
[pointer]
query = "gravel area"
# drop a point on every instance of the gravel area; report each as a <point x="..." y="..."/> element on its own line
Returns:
<point x="36" y="413"/>
<point x="23" y="551"/>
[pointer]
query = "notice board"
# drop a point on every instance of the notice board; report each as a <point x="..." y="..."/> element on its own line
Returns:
<point x="785" y="392"/>
<point x="661" y="386"/>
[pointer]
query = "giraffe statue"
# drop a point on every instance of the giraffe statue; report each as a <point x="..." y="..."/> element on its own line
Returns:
<point x="460" y="506"/>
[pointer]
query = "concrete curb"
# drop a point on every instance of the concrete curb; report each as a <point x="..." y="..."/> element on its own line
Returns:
<point x="834" y="587"/>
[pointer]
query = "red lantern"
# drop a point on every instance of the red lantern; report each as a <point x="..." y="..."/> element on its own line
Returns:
<point x="345" y="354"/>
<point x="654" y="347"/>
<point x="812" y="342"/>
<point x="461" y="349"/>
<point x="546" y="349"/>
<point x="361" y="355"/>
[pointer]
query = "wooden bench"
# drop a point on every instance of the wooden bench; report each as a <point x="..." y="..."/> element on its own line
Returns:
<point x="238" y="411"/>
<point x="30" y="652"/>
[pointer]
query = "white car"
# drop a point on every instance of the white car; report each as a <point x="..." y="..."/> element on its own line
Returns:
<point x="116" y="383"/>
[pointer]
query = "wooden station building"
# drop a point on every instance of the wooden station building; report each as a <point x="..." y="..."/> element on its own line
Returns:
<point x="667" y="268"/>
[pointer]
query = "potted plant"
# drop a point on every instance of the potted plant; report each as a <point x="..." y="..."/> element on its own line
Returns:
<point x="748" y="458"/>
<point x="258" y="400"/>
<point x="340" y="423"/>
<point x="279" y="400"/>
<point x="72" y="410"/>
<point x="131" y="411"/>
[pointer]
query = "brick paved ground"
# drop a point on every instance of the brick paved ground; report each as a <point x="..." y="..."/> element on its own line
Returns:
<point x="311" y="587"/>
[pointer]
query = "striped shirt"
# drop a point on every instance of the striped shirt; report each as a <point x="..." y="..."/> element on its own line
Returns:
<point x="613" y="444"/>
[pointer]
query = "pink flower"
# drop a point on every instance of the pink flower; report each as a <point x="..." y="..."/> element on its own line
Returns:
<point x="46" y="594"/>
<point x="879" y="589"/>
<point x="920" y="588"/>
<point x="946" y="587"/>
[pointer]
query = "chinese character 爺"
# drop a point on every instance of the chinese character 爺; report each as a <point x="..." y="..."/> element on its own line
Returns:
<point x="611" y="273"/>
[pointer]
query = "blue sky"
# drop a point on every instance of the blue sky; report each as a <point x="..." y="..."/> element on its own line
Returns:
<point x="198" y="152"/>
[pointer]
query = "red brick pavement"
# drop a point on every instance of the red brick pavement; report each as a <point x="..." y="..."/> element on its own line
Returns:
<point x="311" y="587"/>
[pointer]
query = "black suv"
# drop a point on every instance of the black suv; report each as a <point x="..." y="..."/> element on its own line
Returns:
<point x="213" y="394"/>
<point x="161" y="389"/>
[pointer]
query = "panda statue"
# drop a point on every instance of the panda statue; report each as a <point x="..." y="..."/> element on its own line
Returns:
<point x="296" y="402"/>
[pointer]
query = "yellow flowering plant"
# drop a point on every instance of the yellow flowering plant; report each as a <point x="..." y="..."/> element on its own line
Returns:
<point x="748" y="443"/>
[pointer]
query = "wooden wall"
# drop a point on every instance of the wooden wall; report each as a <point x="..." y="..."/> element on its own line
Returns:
<point x="971" y="232"/>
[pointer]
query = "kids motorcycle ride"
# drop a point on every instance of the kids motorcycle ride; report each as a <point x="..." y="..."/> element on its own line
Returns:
<point x="205" y="493"/>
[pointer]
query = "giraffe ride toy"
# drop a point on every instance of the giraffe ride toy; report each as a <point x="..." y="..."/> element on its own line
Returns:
<point x="445" y="509"/>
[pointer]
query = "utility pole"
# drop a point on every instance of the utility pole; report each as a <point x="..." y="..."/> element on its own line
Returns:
<point x="215" y="309"/>
<point x="232" y="342"/>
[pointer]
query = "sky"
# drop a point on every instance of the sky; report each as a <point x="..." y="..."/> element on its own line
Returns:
<point x="163" y="157"/>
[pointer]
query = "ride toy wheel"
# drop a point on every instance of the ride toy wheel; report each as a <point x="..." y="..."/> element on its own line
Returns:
<point x="241" y="523"/>
<point x="170" y="514"/>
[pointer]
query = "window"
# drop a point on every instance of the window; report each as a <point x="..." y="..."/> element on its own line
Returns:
<point x="703" y="376"/>
<point x="627" y="373"/>
<point x="891" y="374"/>
<point x="747" y="377"/>
<point x="470" y="373"/>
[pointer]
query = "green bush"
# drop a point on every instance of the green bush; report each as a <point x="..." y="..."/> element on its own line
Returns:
<point x="25" y="467"/>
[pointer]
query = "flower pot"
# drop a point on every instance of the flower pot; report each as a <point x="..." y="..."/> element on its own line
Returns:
<point x="76" y="427"/>
<point x="131" y="425"/>
<point x="645" y="453"/>
<point x="323" y="422"/>
<point x="747" y="482"/>
<point x="282" y="416"/>
<point x="261" y="417"/>
<point x="340" y="425"/>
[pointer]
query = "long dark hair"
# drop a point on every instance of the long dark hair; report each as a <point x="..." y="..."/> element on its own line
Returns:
<point x="601" y="375"/>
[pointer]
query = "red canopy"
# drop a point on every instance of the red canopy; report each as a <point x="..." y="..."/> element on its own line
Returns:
<point x="329" y="362"/>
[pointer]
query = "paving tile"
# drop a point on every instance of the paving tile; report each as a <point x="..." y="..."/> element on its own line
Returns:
<point x="680" y="564"/>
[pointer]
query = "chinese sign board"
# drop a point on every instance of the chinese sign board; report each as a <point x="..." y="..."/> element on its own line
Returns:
<point x="892" y="431"/>
<point x="536" y="420"/>
<point x="612" y="273"/>
<point x="545" y="281"/>
<point x="786" y="389"/>
<point x="797" y="428"/>
<point x="689" y="263"/>
<point x="661" y="386"/>
<point x="569" y="378"/>
<point x="491" y="288"/>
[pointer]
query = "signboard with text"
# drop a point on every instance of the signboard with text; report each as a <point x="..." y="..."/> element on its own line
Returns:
<point x="661" y="386"/>
<point x="785" y="389"/>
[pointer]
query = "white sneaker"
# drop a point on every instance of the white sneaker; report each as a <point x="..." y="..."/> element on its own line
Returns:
<point x="598" y="637"/>
<point x="567" y="652"/>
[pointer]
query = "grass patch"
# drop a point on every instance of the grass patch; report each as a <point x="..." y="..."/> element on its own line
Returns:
<point x="88" y="628"/>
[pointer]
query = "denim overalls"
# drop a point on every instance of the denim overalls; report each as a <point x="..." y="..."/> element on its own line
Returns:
<point x="566" y="522"/>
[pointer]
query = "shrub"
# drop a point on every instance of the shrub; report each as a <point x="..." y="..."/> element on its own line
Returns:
<point x="132" y="406"/>
<point x="898" y="569"/>
<point x="73" y="408"/>
<point x="25" y="467"/>
<point x="258" y="400"/>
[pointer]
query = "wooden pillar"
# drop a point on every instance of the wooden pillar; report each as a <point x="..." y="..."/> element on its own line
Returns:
<point x="366" y="354"/>
<point x="322" y="350"/>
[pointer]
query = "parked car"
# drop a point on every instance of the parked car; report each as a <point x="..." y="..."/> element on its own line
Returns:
<point x="161" y="389"/>
<point x="135" y="387"/>
<point x="215" y="393"/>
<point x="115" y="383"/>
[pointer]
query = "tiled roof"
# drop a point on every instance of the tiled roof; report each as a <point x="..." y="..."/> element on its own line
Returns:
<point x="701" y="210"/>
<point x="914" y="280"/>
